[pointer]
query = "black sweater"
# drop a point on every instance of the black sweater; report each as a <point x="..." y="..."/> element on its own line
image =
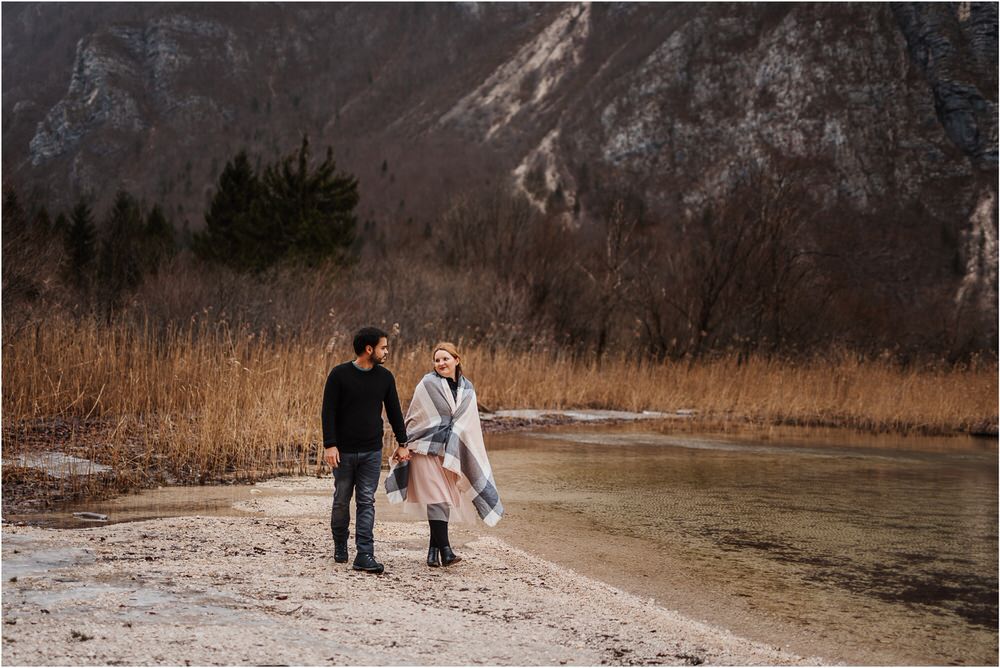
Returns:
<point x="352" y="408"/>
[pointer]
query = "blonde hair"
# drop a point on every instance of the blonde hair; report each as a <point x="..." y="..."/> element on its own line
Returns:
<point x="452" y="350"/>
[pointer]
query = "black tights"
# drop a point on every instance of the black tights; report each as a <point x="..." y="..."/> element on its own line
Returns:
<point x="439" y="533"/>
<point x="439" y="527"/>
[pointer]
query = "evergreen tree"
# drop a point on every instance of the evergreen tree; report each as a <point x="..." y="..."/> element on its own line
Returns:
<point x="292" y="213"/>
<point x="42" y="224"/>
<point x="13" y="213"/>
<point x="61" y="226"/>
<point x="310" y="214"/>
<point x="233" y="218"/>
<point x="121" y="257"/>
<point x="79" y="242"/>
<point x="158" y="237"/>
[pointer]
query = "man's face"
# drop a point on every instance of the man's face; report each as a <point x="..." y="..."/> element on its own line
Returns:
<point x="381" y="351"/>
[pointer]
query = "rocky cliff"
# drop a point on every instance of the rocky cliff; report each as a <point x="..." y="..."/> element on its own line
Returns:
<point x="570" y="102"/>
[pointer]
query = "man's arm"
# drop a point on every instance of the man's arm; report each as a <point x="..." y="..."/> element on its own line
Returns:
<point x="394" y="412"/>
<point x="330" y="396"/>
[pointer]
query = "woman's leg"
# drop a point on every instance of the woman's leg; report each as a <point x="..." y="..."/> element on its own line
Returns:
<point x="437" y="518"/>
<point x="439" y="533"/>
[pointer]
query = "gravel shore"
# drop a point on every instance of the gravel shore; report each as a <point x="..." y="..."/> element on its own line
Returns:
<point x="263" y="589"/>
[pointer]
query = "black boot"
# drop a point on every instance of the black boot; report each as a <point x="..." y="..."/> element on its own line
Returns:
<point x="448" y="557"/>
<point x="340" y="553"/>
<point x="366" y="562"/>
<point x="433" y="557"/>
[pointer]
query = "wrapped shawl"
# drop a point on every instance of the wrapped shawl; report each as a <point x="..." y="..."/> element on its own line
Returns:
<point x="438" y="423"/>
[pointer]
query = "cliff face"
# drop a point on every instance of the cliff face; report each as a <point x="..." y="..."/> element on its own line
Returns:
<point x="897" y="102"/>
<point x="955" y="48"/>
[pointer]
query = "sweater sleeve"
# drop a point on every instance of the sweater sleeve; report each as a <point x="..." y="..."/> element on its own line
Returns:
<point x="394" y="412"/>
<point x="330" y="396"/>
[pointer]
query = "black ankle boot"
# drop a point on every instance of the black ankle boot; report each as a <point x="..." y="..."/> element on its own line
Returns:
<point x="433" y="557"/>
<point x="448" y="557"/>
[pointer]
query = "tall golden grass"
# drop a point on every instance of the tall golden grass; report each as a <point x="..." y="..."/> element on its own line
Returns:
<point x="204" y="399"/>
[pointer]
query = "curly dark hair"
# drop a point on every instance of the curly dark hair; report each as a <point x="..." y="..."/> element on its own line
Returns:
<point x="367" y="336"/>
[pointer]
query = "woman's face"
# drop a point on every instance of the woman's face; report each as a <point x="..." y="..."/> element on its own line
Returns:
<point x="445" y="363"/>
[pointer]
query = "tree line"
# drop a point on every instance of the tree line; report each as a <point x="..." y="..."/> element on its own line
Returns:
<point x="291" y="212"/>
<point x="766" y="267"/>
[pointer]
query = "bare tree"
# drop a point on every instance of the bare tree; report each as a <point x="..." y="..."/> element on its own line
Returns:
<point x="608" y="270"/>
<point x="734" y="274"/>
<point x="491" y="228"/>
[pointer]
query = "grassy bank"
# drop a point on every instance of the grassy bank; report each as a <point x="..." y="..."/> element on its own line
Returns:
<point x="207" y="401"/>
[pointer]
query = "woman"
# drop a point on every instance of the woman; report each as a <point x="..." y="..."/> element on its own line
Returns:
<point x="443" y="471"/>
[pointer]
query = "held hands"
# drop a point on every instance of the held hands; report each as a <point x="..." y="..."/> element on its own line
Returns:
<point x="332" y="456"/>
<point x="402" y="454"/>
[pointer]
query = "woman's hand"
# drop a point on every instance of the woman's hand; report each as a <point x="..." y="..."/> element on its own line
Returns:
<point x="402" y="454"/>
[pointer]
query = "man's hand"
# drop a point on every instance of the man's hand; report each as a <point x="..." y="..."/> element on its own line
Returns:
<point x="332" y="456"/>
<point x="402" y="454"/>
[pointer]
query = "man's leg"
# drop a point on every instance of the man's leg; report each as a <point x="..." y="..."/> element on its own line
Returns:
<point x="366" y="481"/>
<point x="344" y="477"/>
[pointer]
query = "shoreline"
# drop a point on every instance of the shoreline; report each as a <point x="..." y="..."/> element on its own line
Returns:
<point x="572" y="542"/>
<point x="262" y="588"/>
<point x="30" y="489"/>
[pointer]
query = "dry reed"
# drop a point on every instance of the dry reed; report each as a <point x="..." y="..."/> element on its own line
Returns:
<point x="209" y="399"/>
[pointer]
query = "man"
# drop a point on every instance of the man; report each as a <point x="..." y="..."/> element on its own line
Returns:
<point x="352" y="439"/>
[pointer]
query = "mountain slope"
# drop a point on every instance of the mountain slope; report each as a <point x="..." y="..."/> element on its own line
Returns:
<point x="573" y="103"/>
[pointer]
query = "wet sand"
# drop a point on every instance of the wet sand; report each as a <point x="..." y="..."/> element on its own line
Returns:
<point x="261" y="588"/>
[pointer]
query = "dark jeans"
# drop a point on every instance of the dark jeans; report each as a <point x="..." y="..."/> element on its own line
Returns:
<point x="357" y="470"/>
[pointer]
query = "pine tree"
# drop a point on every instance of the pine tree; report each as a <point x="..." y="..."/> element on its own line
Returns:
<point x="79" y="242"/>
<point x="310" y="213"/>
<point x="121" y="257"/>
<point x="61" y="226"/>
<point x="292" y="213"/>
<point x="42" y="224"/>
<point x="233" y="218"/>
<point x="13" y="214"/>
<point x="158" y="237"/>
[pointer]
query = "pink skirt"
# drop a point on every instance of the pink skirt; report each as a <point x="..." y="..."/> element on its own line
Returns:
<point x="431" y="484"/>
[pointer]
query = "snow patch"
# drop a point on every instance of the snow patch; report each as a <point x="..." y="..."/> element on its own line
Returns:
<point x="58" y="465"/>
<point x="585" y="415"/>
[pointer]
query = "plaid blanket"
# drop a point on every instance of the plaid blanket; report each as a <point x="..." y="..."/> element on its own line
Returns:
<point x="439" y="424"/>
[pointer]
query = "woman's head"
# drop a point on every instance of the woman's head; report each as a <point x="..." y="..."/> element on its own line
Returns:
<point x="447" y="361"/>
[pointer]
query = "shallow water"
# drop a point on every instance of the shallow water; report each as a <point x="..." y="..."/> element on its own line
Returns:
<point x="860" y="549"/>
<point x="867" y="550"/>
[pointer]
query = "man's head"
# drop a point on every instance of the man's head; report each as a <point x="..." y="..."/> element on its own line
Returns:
<point x="373" y="343"/>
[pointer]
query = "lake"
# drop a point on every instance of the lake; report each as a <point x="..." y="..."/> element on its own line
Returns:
<point x="860" y="548"/>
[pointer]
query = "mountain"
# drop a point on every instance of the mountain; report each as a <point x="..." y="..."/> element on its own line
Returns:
<point x="573" y="103"/>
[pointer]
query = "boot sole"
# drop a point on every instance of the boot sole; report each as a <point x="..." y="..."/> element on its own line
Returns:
<point x="376" y="571"/>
